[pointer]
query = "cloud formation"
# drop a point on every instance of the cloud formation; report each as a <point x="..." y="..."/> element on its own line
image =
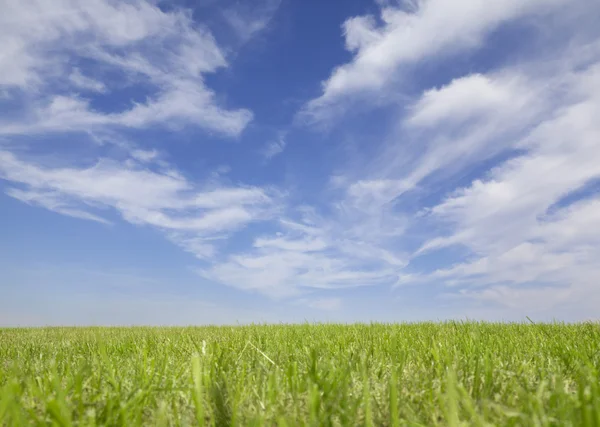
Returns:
<point x="190" y="215"/>
<point x="518" y="221"/>
<point x="405" y="34"/>
<point x="478" y="178"/>
<point x="61" y="57"/>
<point x="249" y="19"/>
<point x="274" y="148"/>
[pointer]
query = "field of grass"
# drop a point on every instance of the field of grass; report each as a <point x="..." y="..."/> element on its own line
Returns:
<point x="447" y="374"/>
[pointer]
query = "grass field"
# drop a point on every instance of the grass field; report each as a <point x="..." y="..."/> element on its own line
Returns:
<point x="398" y="375"/>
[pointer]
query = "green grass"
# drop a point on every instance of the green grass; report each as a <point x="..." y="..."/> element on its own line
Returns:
<point x="447" y="374"/>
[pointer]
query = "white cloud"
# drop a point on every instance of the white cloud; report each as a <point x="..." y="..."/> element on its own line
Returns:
<point x="200" y="246"/>
<point x="373" y="194"/>
<point x="405" y="37"/>
<point x="306" y="244"/>
<point x="98" y="24"/>
<point x="563" y="155"/>
<point x="513" y="221"/>
<point x="52" y="201"/>
<point x="534" y="122"/>
<point x="249" y="19"/>
<point x="61" y="57"/>
<point x="144" y="156"/>
<point x="345" y="251"/>
<point x="137" y="41"/>
<point x="86" y="83"/>
<point x="287" y="273"/>
<point x="191" y="216"/>
<point x="274" y="148"/>
<point x="470" y="97"/>
<point x="449" y="131"/>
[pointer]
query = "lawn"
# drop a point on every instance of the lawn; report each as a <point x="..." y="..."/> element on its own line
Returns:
<point x="382" y="375"/>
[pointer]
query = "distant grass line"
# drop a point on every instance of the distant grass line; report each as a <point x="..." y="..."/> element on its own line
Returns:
<point x="447" y="374"/>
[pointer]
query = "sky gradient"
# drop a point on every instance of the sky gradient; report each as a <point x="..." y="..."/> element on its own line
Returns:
<point x="194" y="162"/>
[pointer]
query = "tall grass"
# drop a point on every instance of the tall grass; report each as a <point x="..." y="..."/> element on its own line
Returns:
<point x="447" y="374"/>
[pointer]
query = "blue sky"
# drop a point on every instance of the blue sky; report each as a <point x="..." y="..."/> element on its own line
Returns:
<point x="192" y="162"/>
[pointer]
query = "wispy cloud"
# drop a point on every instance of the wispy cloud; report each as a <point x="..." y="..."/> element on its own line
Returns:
<point x="78" y="80"/>
<point x="274" y="148"/>
<point x="492" y="160"/>
<point x="65" y="66"/>
<point x="408" y="33"/>
<point x="523" y="135"/>
<point x="249" y="19"/>
<point x="561" y="157"/>
<point x="164" y="55"/>
<point x="310" y="252"/>
<point x="471" y="97"/>
<point x="191" y="215"/>
<point x="517" y="222"/>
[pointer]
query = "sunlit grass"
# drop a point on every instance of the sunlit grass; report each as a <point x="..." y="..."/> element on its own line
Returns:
<point x="408" y="374"/>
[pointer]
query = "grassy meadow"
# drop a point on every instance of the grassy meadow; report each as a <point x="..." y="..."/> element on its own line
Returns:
<point x="446" y="374"/>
